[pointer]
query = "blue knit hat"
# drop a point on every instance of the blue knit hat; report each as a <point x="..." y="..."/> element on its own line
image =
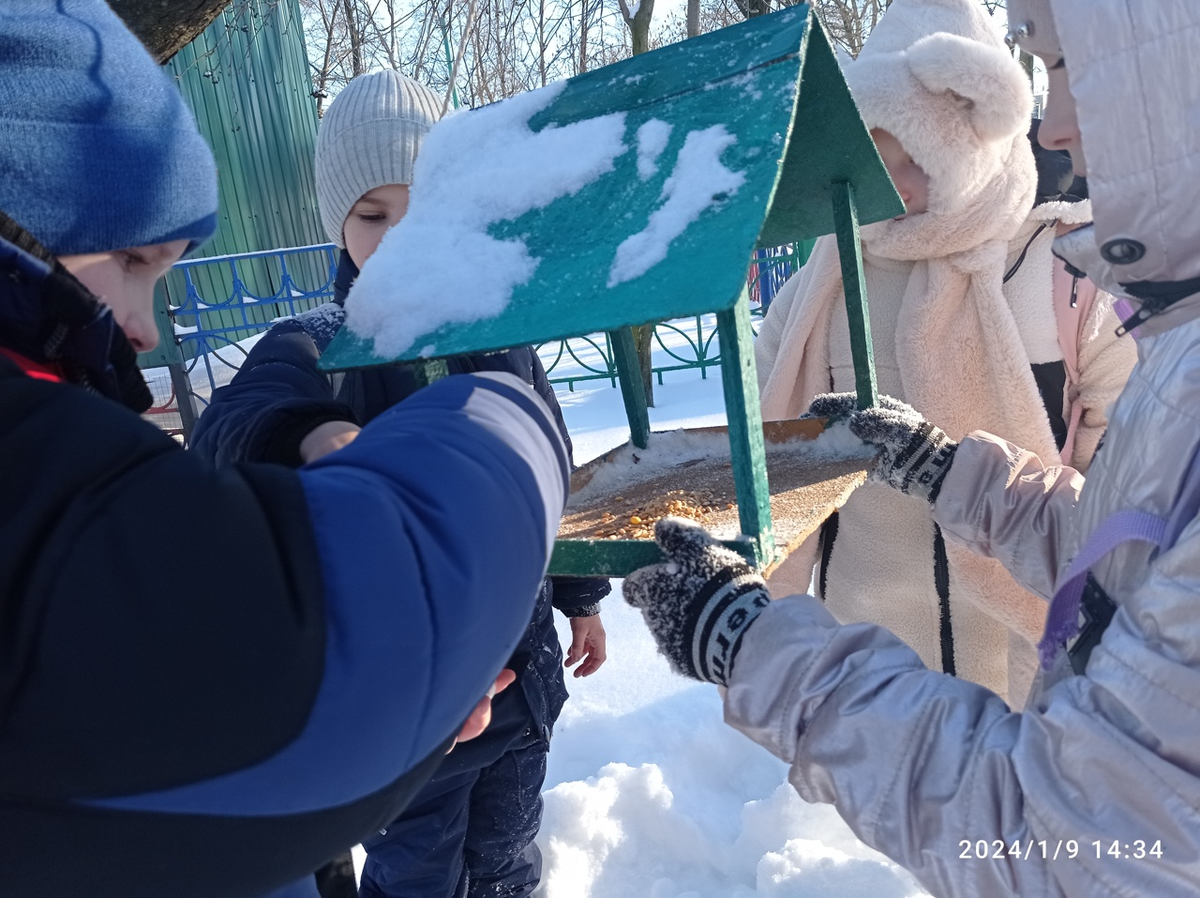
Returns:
<point x="97" y="150"/>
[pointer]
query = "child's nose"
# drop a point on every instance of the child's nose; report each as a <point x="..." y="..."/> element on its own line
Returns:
<point x="142" y="331"/>
<point x="1058" y="130"/>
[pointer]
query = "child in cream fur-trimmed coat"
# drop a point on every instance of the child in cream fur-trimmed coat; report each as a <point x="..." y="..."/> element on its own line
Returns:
<point x="949" y="108"/>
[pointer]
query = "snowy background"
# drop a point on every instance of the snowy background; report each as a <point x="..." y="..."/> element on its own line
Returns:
<point x="648" y="793"/>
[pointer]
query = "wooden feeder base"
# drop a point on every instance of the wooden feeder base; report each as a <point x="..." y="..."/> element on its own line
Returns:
<point x="806" y="486"/>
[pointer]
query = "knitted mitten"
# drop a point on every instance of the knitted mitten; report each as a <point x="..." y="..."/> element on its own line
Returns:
<point x="914" y="456"/>
<point x="699" y="602"/>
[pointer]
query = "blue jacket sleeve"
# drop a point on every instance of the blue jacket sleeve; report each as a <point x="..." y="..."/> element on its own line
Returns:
<point x="271" y="699"/>
<point x="433" y="531"/>
<point x="579" y="596"/>
<point x="573" y="596"/>
<point x="276" y="398"/>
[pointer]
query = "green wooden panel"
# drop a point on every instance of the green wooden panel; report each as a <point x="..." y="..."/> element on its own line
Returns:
<point x="826" y="146"/>
<point x="617" y="557"/>
<point x="744" y="78"/>
<point x="246" y="78"/>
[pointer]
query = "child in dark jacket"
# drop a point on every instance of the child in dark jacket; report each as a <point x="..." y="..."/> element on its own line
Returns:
<point x="470" y="831"/>
<point x="227" y="729"/>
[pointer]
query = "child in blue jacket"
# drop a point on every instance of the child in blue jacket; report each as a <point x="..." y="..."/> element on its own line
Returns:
<point x="470" y="831"/>
<point x="222" y="728"/>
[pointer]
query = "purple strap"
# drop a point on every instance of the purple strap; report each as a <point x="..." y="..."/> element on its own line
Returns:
<point x="1125" y="310"/>
<point x="1062" y="622"/>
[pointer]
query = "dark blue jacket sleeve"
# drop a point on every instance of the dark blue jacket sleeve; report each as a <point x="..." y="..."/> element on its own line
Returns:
<point x="433" y="532"/>
<point x="524" y="362"/>
<point x="579" y="596"/>
<point x="573" y="596"/>
<point x="276" y="398"/>
<point x="347" y="619"/>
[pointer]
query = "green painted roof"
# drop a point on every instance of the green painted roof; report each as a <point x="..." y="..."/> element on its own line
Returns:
<point x="774" y="83"/>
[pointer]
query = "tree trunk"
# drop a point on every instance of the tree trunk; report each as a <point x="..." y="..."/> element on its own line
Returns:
<point x="639" y="24"/>
<point x="352" y="29"/>
<point x="542" y="41"/>
<point x="167" y="27"/>
<point x="753" y="8"/>
<point x="643" y="335"/>
<point x="639" y="27"/>
<point x="693" y="18"/>
<point x="583" y="35"/>
<point x="643" y="342"/>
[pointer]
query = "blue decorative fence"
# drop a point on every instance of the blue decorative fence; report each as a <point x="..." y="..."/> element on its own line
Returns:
<point x="219" y="304"/>
<point x="220" y="301"/>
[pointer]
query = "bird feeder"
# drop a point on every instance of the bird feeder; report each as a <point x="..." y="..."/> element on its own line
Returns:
<point x="760" y="112"/>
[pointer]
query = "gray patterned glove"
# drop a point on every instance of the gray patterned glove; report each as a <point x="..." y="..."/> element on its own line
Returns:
<point x="699" y="602"/>
<point x="915" y="455"/>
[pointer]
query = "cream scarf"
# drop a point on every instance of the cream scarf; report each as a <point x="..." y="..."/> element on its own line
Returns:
<point x="960" y="355"/>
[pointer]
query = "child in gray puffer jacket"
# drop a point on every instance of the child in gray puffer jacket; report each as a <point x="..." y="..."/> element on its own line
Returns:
<point x="1093" y="788"/>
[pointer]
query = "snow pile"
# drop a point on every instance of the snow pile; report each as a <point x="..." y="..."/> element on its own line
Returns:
<point x="698" y="181"/>
<point x="475" y="169"/>
<point x="836" y="441"/>
<point x="650" y="794"/>
<point x="487" y="166"/>
<point x="665" y="451"/>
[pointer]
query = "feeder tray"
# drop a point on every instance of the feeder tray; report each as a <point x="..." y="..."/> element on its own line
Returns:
<point x="689" y="473"/>
<point x="808" y="167"/>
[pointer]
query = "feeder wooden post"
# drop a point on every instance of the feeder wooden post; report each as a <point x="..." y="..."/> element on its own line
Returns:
<point x="632" y="390"/>
<point x="845" y="216"/>
<point x="744" y="414"/>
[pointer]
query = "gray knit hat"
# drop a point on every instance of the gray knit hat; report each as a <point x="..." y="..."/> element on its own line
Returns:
<point x="369" y="137"/>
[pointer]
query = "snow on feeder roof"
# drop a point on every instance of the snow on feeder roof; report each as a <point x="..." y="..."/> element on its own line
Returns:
<point x="631" y="194"/>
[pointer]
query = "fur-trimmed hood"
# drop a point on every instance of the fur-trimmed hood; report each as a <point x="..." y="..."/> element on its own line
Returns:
<point x="936" y="75"/>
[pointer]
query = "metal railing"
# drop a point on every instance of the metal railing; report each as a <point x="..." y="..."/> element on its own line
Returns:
<point x="683" y="344"/>
<point x="227" y="299"/>
<point x="219" y="304"/>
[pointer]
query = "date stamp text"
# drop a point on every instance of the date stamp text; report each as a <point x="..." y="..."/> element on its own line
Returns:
<point x="1059" y="849"/>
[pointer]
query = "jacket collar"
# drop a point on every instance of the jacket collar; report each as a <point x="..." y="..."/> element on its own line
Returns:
<point x="347" y="271"/>
<point x="50" y="318"/>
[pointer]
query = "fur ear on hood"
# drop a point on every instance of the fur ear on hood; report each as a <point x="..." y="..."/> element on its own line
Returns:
<point x="997" y="98"/>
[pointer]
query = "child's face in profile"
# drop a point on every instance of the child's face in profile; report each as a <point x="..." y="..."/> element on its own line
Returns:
<point x="910" y="179"/>
<point x="124" y="280"/>
<point x="1060" y="125"/>
<point x="370" y="217"/>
